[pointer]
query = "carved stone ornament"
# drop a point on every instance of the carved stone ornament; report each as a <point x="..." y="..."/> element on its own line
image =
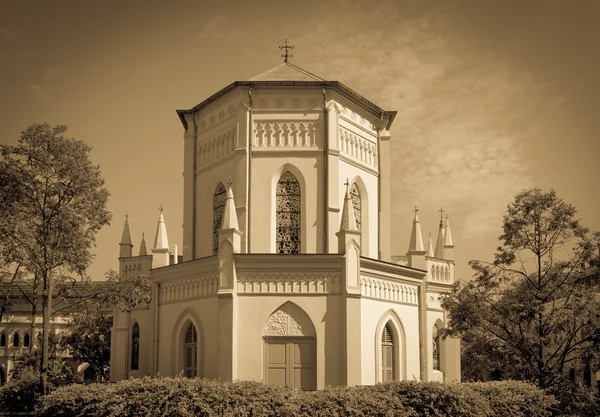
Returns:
<point x="279" y="103"/>
<point x="262" y="103"/>
<point x="289" y="320"/>
<point x="296" y="103"/>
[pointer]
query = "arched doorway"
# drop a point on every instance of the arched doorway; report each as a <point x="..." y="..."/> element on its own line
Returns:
<point x="290" y="349"/>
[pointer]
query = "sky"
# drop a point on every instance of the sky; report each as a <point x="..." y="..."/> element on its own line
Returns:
<point x="492" y="97"/>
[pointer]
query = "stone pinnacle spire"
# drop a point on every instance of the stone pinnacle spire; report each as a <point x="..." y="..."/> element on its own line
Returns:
<point x="143" y="250"/>
<point x="125" y="245"/>
<point x="348" y="219"/>
<point x="439" y="244"/>
<point x="230" y="220"/>
<point x="161" y="241"/>
<point x="430" y="247"/>
<point x="416" y="239"/>
<point x="448" y="243"/>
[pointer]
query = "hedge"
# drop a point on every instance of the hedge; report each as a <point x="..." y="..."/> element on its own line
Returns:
<point x="182" y="397"/>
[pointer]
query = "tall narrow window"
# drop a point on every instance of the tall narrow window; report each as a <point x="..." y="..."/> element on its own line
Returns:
<point x="135" y="347"/>
<point x="436" y="348"/>
<point x="219" y="198"/>
<point x="190" y="352"/>
<point x="2" y="340"/>
<point x="16" y="340"/>
<point x="387" y="354"/>
<point x="26" y="340"/>
<point x="355" y="195"/>
<point x="288" y="214"/>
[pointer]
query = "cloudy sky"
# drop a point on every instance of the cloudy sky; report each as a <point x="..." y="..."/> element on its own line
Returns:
<point x="492" y="97"/>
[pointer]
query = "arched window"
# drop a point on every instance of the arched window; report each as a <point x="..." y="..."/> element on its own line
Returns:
<point x="387" y="354"/>
<point x="219" y="198"/>
<point x="288" y="214"/>
<point x="16" y="340"/>
<point x="2" y="340"/>
<point x="26" y="340"/>
<point x="135" y="347"/>
<point x="355" y="195"/>
<point x="436" y="348"/>
<point x="190" y="352"/>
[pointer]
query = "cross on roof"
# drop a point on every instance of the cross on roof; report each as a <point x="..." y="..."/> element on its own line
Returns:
<point x="347" y="184"/>
<point x="229" y="182"/>
<point x="286" y="45"/>
<point x="416" y="209"/>
<point x="161" y="208"/>
<point x="441" y="211"/>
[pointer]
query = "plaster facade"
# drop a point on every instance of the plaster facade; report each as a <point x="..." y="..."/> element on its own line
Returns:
<point x="287" y="275"/>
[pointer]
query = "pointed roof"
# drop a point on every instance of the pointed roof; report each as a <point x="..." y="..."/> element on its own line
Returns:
<point x="286" y="72"/>
<point x="348" y="219"/>
<point x="126" y="236"/>
<point x="416" y="239"/>
<point x="439" y="244"/>
<point x="161" y="241"/>
<point x="230" y="220"/>
<point x="448" y="243"/>
<point x="430" y="247"/>
<point x="143" y="250"/>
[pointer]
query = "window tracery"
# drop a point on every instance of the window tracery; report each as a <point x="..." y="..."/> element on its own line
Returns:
<point x="219" y="198"/>
<point x="355" y="196"/>
<point x="288" y="214"/>
<point x="436" y="348"/>
<point x="135" y="347"/>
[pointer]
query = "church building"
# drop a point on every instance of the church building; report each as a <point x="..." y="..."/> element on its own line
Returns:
<point x="286" y="275"/>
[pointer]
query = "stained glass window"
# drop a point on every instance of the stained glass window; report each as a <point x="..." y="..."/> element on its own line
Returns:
<point x="288" y="214"/>
<point x="387" y="354"/>
<point x="190" y="351"/>
<point x="135" y="347"/>
<point x="219" y="198"/>
<point x="436" y="348"/>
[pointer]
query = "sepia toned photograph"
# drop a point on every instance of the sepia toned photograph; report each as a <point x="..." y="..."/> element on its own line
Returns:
<point x="300" y="208"/>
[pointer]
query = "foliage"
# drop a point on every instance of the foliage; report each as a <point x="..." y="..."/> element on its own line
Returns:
<point x="88" y="340"/>
<point x="573" y="398"/>
<point x="537" y="303"/>
<point x="182" y="397"/>
<point x="21" y="393"/>
<point x="53" y="202"/>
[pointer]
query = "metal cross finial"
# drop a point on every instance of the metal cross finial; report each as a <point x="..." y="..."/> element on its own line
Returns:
<point x="161" y="208"/>
<point x="126" y="216"/>
<point x="441" y="211"/>
<point x="143" y="235"/>
<point x="286" y="45"/>
<point x="347" y="184"/>
<point x="416" y="209"/>
<point x="229" y="182"/>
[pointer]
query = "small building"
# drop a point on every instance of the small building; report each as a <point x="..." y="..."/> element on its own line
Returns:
<point x="287" y="275"/>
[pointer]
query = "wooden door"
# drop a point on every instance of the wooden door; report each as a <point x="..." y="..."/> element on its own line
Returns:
<point x="290" y="362"/>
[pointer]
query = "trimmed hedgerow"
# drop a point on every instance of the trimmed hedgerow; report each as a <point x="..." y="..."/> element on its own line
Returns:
<point x="182" y="397"/>
<point x="21" y="394"/>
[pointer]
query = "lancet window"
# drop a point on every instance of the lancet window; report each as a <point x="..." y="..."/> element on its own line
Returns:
<point x="387" y="354"/>
<point x="2" y="340"/>
<point x="135" y="347"/>
<point x="26" y="340"/>
<point x="355" y="195"/>
<point x="219" y="198"/>
<point x="288" y="214"/>
<point x="190" y="352"/>
<point x="436" y="348"/>
<point x="16" y="340"/>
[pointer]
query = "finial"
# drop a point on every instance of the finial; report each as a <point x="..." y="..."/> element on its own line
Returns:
<point x="143" y="235"/>
<point x="347" y="184"/>
<point x="161" y="208"/>
<point x="416" y="209"/>
<point x="229" y="182"/>
<point x="441" y="211"/>
<point x="286" y="45"/>
<point x="126" y="216"/>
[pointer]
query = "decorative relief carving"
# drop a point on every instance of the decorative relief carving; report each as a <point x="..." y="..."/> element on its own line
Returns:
<point x="216" y="147"/>
<point x="312" y="103"/>
<point x="440" y="273"/>
<point x="194" y="288"/>
<point x="296" y="103"/>
<point x="288" y="283"/>
<point x="286" y="134"/>
<point x="386" y="290"/>
<point x="262" y="103"/>
<point x="279" y="103"/>
<point x="289" y="320"/>
<point x="357" y="147"/>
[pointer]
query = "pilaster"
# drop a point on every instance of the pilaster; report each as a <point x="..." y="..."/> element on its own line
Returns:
<point x="384" y="196"/>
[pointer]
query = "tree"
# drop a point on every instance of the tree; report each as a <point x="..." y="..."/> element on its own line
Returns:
<point x="53" y="203"/>
<point x="538" y="303"/>
<point x="88" y="340"/>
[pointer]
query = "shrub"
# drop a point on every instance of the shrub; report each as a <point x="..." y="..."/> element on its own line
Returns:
<point x="573" y="399"/>
<point x="510" y="398"/>
<point x="21" y="393"/>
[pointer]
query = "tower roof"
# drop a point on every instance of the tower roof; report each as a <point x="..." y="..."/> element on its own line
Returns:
<point x="161" y="241"/>
<point x="126" y="236"/>
<point x="230" y="220"/>
<point x="448" y="243"/>
<point x="439" y="244"/>
<point x="430" y="247"/>
<point x="416" y="239"/>
<point x="286" y="72"/>
<point x="143" y="250"/>
<point x="348" y="219"/>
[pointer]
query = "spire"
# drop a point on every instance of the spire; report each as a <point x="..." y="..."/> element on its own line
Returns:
<point x="439" y="244"/>
<point x="348" y="219"/>
<point x="143" y="250"/>
<point x="125" y="244"/>
<point x="161" y="241"/>
<point x="230" y="220"/>
<point x="416" y="239"/>
<point x="430" y="247"/>
<point x="448" y="243"/>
